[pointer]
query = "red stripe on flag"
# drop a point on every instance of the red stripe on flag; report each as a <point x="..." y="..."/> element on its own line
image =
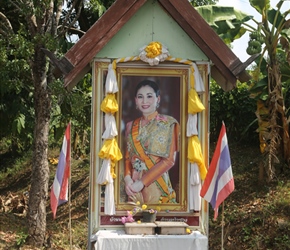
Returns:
<point x="59" y="189"/>
<point x="219" y="182"/>
<point x="213" y="165"/>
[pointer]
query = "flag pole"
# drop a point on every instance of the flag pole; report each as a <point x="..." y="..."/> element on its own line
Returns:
<point x="69" y="192"/>
<point x="223" y="222"/>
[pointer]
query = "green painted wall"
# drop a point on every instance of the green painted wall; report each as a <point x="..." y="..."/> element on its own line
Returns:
<point x="151" y="23"/>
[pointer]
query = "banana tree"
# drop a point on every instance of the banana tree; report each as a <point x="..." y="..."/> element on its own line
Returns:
<point x="271" y="38"/>
<point x="225" y="20"/>
<point x="270" y="41"/>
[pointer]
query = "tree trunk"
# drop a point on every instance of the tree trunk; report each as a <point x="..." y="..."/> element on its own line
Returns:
<point x="279" y="144"/>
<point x="40" y="172"/>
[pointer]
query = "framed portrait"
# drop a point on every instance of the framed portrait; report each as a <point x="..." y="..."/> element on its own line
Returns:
<point x="172" y="80"/>
<point x="171" y="83"/>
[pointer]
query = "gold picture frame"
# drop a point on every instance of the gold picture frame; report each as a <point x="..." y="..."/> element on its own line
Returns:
<point x="173" y="88"/>
<point x="174" y="83"/>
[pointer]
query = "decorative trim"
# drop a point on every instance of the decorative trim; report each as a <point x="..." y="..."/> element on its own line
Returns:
<point x="153" y="54"/>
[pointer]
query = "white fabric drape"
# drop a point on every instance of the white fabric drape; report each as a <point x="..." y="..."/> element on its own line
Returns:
<point x="191" y="130"/>
<point x="199" y="86"/>
<point x="111" y="81"/>
<point x="109" y="199"/>
<point x="105" y="178"/>
<point x="110" y="127"/>
<point x="118" y="239"/>
<point x="191" y="126"/>
<point x="105" y="173"/>
<point x="194" y="188"/>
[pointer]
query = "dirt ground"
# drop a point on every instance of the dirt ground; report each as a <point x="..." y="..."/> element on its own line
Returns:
<point x="256" y="214"/>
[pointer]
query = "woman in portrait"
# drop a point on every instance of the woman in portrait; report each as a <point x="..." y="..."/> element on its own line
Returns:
<point x="152" y="143"/>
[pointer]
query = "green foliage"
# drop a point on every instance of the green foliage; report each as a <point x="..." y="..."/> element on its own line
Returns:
<point x="259" y="82"/>
<point x="236" y="109"/>
<point x="91" y="11"/>
<point x="270" y="41"/>
<point x="95" y="6"/>
<point x="16" y="99"/>
<point x="260" y="5"/>
<point x="226" y="21"/>
<point x="196" y="3"/>
<point x="11" y="165"/>
<point x="74" y="106"/>
<point x="17" y="90"/>
<point x="21" y="239"/>
<point x="23" y="44"/>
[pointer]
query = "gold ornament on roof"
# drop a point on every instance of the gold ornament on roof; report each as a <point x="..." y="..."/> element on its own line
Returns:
<point x="153" y="53"/>
<point x="153" y="49"/>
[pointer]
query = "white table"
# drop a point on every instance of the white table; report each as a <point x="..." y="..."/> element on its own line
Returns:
<point x="118" y="240"/>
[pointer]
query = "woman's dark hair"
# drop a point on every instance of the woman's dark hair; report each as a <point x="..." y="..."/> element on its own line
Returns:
<point x="149" y="83"/>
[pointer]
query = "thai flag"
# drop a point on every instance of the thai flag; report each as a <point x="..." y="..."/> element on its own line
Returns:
<point x="59" y="189"/>
<point x="219" y="181"/>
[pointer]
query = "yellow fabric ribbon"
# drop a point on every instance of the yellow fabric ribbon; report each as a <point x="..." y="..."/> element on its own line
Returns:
<point x="194" y="155"/>
<point x="194" y="103"/>
<point x="192" y="80"/>
<point x="109" y="104"/>
<point x="110" y="150"/>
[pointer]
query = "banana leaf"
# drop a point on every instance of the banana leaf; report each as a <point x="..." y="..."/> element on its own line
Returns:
<point x="285" y="72"/>
<point x="226" y="21"/>
<point x="260" y="5"/>
<point x="275" y="17"/>
<point x="286" y="32"/>
<point x="259" y="89"/>
<point x="261" y="84"/>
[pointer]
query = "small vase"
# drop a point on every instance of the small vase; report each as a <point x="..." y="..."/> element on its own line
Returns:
<point x="148" y="217"/>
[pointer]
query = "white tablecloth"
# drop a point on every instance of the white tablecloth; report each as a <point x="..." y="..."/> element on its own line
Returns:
<point x="118" y="240"/>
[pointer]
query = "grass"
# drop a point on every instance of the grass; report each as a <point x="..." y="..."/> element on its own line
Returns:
<point x="13" y="224"/>
<point x="257" y="215"/>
